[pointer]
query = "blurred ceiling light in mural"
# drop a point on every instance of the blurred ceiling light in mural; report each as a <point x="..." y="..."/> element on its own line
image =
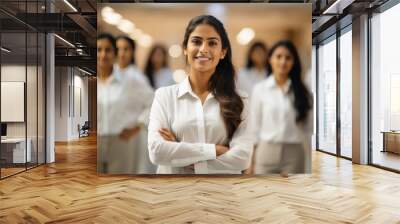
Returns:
<point x="106" y="11"/>
<point x="136" y="34"/>
<point x="175" y="51"/>
<point x="245" y="36"/>
<point x="126" y="26"/>
<point x="145" y="40"/>
<point x="110" y="17"/>
<point x="179" y="75"/>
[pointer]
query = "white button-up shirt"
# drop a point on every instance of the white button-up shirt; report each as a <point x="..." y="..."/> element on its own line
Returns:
<point x="198" y="128"/>
<point x="163" y="77"/>
<point x="130" y="72"/>
<point x="122" y="103"/>
<point x="248" y="78"/>
<point x="273" y="116"/>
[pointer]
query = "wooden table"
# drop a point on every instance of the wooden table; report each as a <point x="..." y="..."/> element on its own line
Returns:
<point x="391" y="141"/>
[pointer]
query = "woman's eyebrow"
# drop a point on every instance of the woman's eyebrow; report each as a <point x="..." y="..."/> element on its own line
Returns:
<point x="210" y="38"/>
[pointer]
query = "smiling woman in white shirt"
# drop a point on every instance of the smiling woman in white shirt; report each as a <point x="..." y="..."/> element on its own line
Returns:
<point x="122" y="110"/>
<point x="157" y="71"/>
<point x="281" y="116"/>
<point x="200" y="125"/>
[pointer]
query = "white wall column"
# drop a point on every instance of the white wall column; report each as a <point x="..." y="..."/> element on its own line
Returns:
<point x="360" y="90"/>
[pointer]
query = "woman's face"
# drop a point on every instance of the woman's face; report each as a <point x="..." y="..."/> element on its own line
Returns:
<point x="157" y="58"/>
<point x="281" y="61"/>
<point x="125" y="52"/>
<point x="105" y="54"/>
<point x="204" y="49"/>
<point x="259" y="57"/>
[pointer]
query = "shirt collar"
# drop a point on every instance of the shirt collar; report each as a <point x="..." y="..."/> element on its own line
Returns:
<point x="271" y="83"/>
<point x="185" y="88"/>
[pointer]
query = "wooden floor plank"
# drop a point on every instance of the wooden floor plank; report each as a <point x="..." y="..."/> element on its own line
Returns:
<point x="70" y="191"/>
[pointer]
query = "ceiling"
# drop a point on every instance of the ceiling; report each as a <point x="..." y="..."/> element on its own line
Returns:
<point x="76" y="24"/>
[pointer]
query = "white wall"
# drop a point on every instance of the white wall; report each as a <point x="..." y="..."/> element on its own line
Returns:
<point x="33" y="127"/>
<point x="12" y="73"/>
<point x="69" y="82"/>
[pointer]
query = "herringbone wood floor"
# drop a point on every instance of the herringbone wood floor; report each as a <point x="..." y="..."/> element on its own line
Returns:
<point x="70" y="191"/>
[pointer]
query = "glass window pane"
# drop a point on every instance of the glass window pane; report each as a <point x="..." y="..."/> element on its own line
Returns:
<point x="327" y="96"/>
<point x="31" y="97"/>
<point x="14" y="153"/>
<point x="346" y="94"/>
<point x="313" y="91"/>
<point x="41" y="98"/>
<point x="385" y="84"/>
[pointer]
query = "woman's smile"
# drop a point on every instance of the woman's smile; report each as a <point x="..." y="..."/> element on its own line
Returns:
<point x="202" y="58"/>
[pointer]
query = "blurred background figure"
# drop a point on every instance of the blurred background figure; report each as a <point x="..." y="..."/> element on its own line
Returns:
<point x="126" y="66"/>
<point x="256" y="67"/>
<point x="281" y="114"/>
<point x="122" y="107"/>
<point x="157" y="71"/>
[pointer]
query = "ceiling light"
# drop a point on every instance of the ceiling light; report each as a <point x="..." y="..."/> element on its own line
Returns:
<point x="65" y="41"/>
<point x="245" y="36"/>
<point x="145" y="40"/>
<point x="337" y="7"/>
<point x="113" y="18"/>
<point x="106" y="11"/>
<point x="126" y="26"/>
<point x="136" y="34"/>
<point x="86" y="72"/>
<point x="5" y="50"/>
<point x="70" y="5"/>
<point x="175" y="51"/>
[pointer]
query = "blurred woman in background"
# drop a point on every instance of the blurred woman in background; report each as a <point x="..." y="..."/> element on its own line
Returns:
<point x="256" y="67"/>
<point x="123" y="106"/>
<point x="281" y="116"/>
<point x="200" y="125"/>
<point x="157" y="70"/>
<point x="126" y="68"/>
<point x="126" y="64"/>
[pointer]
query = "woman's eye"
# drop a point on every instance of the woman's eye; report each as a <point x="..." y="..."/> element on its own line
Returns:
<point x="196" y="42"/>
<point x="212" y="43"/>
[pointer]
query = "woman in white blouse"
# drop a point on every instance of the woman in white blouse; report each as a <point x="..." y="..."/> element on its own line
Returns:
<point x="122" y="110"/>
<point x="126" y="69"/>
<point x="126" y="63"/>
<point x="281" y="116"/>
<point x="156" y="70"/>
<point x="256" y="67"/>
<point x="200" y="125"/>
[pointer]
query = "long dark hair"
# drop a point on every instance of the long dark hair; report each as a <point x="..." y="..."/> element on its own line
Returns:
<point x="149" y="69"/>
<point x="302" y="97"/>
<point x="222" y="82"/>
<point x="256" y="44"/>
<point x="132" y="44"/>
